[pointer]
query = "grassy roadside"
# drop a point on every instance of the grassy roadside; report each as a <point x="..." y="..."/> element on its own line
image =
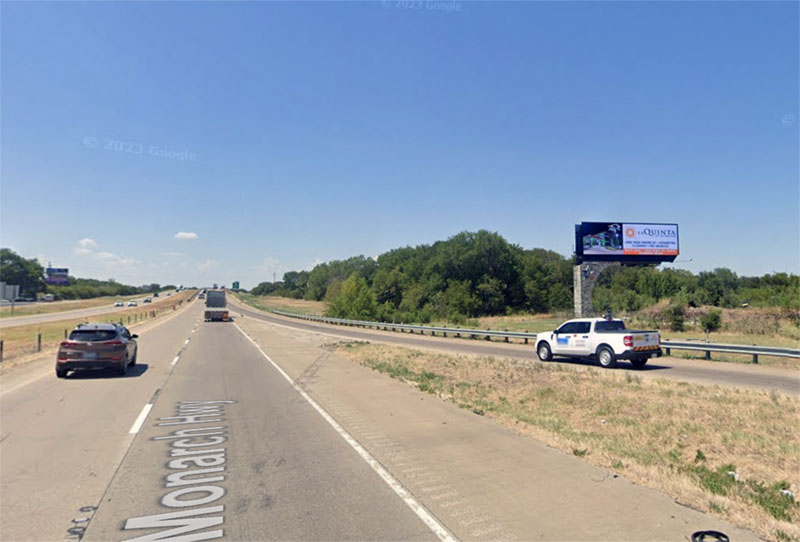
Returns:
<point x="271" y="303"/>
<point x="729" y="452"/>
<point x="59" y="306"/>
<point x="20" y="341"/>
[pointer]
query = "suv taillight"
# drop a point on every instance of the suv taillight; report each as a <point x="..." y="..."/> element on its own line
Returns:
<point x="67" y="343"/>
<point x="115" y="342"/>
<point x="628" y="340"/>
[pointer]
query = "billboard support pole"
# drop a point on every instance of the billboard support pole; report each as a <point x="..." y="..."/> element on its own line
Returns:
<point x="584" y="278"/>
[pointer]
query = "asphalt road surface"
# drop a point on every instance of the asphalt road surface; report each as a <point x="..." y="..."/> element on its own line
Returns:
<point x="688" y="370"/>
<point x="250" y="431"/>
<point x="13" y="321"/>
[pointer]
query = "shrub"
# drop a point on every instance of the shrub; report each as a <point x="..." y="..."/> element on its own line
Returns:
<point x="711" y="321"/>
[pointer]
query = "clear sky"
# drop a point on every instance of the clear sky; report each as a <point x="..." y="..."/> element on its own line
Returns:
<point x="284" y="134"/>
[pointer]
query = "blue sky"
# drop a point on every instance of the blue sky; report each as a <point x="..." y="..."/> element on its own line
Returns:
<point x="285" y="134"/>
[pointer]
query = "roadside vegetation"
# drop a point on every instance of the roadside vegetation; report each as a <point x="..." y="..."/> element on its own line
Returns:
<point x="474" y="275"/>
<point x="731" y="452"/>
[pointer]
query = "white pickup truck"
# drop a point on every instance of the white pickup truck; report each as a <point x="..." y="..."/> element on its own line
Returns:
<point x="603" y="339"/>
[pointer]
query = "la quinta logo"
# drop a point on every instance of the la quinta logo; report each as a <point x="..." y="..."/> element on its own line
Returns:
<point x="630" y="232"/>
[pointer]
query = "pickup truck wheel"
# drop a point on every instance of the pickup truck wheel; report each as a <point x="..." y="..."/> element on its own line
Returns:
<point x="606" y="357"/>
<point x="545" y="354"/>
<point x="638" y="363"/>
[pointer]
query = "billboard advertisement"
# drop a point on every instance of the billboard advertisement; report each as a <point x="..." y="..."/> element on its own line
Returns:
<point x="626" y="242"/>
<point x="56" y="275"/>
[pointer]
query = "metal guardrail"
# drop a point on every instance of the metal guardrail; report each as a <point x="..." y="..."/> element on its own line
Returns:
<point x="754" y="351"/>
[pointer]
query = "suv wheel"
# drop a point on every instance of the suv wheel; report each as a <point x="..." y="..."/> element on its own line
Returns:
<point x="123" y="369"/>
<point x="61" y="373"/>
<point x="133" y="361"/>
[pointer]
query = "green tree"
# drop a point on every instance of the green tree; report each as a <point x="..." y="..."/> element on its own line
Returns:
<point x="28" y="274"/>
<point x="711" y="321"/>
<point x="353" y="299"/>
<point x="676" y="316"/>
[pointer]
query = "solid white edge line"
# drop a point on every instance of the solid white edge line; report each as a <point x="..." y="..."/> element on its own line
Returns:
<point x="418" y="508"/>
<point x="140" y="420"/>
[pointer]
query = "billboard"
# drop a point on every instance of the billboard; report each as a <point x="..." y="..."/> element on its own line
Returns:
<point x="626" y="242"/>
<point x="56" y="275"/>
<point x="235" y="285"/>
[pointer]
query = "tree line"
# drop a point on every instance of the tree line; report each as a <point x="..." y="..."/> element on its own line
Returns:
<point x="28" y="274"/>
<point x="480" y="273"/>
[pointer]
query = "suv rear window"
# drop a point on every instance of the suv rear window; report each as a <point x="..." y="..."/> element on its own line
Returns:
<point x="92" y="335"/>
<point x="612" y="325"/>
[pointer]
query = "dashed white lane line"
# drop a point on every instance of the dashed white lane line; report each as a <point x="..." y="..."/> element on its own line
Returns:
<point x="140" y="420"/>
<point x="422" y="513"/>
<point x="187" y="342"/>
<point x="174" y="361"/>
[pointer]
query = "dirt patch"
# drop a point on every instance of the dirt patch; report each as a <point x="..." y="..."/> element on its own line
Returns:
<point x="730" y="452"/>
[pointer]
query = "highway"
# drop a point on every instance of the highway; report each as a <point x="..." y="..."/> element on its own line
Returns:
<point x="253" y="431"/>
<point x="682" y="369"/>
<point x="80" y="313"/>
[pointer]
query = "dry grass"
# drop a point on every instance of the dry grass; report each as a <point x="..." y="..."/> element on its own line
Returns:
<point x="676" y="437"/>
<point x="60" y="306"/>
<point x="288" y="304"/>
<point x="21" y="341"/>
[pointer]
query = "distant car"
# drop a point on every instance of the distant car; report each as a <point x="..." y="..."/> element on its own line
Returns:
<point x="155" y="294"/>
<point x="133" y="304"/>
<point x="118" y="304"/>
<point x="201" y="296"/>
<point x="148" y="300"/>
<point x="169" y="294"/>
<point x="97" y="346"/>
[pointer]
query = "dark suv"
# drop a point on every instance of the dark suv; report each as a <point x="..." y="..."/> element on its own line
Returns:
<point x="97" y="346"/>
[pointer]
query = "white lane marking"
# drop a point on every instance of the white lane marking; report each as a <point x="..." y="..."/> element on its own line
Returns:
<point x="174" y="361"/>
<point x="140" y="420"/>
<point x="187" y="342"/>
<point x="422" y="513"/>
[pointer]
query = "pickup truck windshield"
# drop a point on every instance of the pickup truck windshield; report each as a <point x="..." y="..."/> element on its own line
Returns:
<point x="610" y="325"/>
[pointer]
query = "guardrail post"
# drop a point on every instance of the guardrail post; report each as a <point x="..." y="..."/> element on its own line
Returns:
<point x="755" y="358"/>
<point x="65" y="333"/>
<point x="708" y="354"/>
<point x="667" y="351"/>
<point x="39" y="342"/>
<point x="506" y="338"/>
<point x="526" y="338"/>
<point x="1" y="351"/>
